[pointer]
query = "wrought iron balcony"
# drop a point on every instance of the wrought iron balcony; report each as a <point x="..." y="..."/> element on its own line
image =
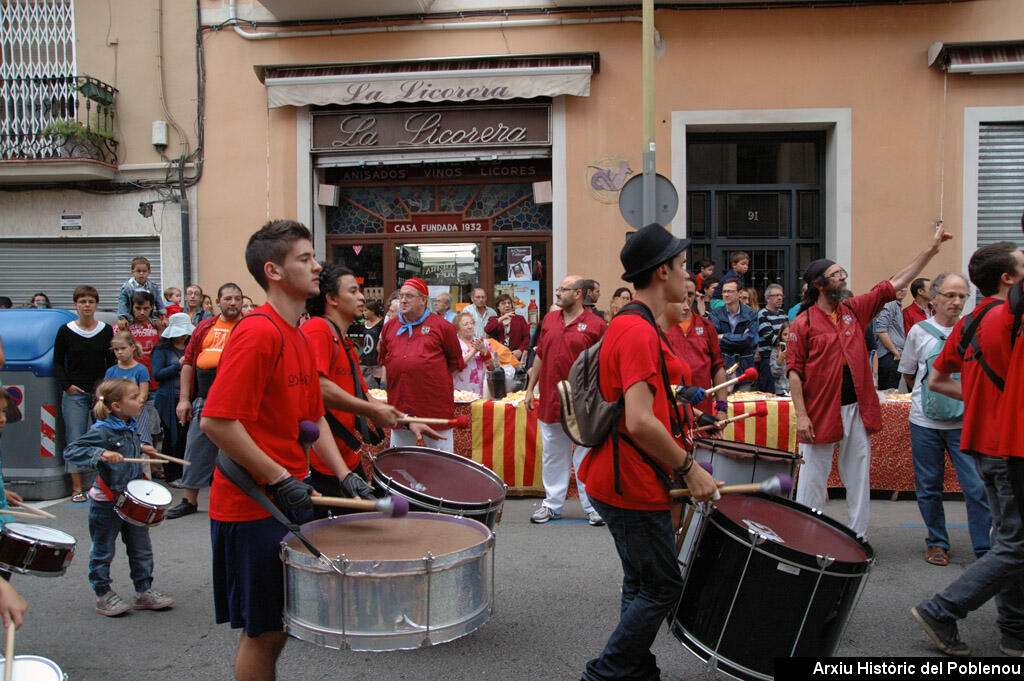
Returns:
<point x="57" y="118"/>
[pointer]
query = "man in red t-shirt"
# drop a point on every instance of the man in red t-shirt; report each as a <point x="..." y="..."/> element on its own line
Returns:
<point x="419" y="352"/>
<point x="565" y="333"/>
<point x="830" y="380"/>
<point x="995" y="269"/>
<point x="266" y="385"/>
<point x="695" y="341"/>
<point x="920" y="304"/>
<point x="634" y="500"/>
<point x="332" y="311"/>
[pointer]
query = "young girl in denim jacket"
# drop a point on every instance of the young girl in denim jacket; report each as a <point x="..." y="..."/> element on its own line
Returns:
<point x="105" y="446"/>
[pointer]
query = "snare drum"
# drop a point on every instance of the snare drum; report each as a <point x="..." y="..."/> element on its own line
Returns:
<point x="768" y="578"/>
<point x="34" y="668"/>
<point x="408" y="582"/>
<point x="143" y="503"/>
<point x="440" y="482"/>
<point x="35" y="550"/>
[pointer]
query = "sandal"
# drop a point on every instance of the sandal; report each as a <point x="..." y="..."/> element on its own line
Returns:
<point x="78" y="498"/>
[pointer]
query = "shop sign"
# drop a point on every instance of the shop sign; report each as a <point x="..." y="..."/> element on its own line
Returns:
<point x="523" y="171"/>
<point x="437" y="223"/>
<point x="432" y="128"/>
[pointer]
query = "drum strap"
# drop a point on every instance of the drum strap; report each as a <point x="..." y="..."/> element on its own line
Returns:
<point x="105" y="488"/>
<point x="371" y="435"/>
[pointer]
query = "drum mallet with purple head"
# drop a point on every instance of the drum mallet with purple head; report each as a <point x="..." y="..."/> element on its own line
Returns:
<point x="761" y="409"/>
<point x="309" y="432"/>
<point x="393" y="507"/>
<point x="777" y="485"/>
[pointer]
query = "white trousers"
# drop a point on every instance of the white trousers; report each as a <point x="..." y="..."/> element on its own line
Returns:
<point x="405" y="438"/>
<point x="559" y="454"/>
<point x="854" y="465"/>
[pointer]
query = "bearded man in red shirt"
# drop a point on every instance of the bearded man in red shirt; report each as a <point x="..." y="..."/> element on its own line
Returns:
<point x="830" y="380"/>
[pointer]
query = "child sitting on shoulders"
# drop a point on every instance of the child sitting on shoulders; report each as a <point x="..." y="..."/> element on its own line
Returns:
<point x="139" y="281"/>
<point x="105" y="446"/>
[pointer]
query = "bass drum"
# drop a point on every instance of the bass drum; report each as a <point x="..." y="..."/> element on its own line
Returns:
<point x="408" y="582"/>
<point x="440" y="482"/>
<point x="768" y="578"/>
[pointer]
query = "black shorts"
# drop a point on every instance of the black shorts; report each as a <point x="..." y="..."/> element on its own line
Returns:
<point x="248" y="577"/>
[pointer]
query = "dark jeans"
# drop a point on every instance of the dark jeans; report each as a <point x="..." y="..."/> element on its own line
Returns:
<point x="330" y="486"/>
<point x="1000" y="572"/>
<point x="888" y="372"/>
<point x="651" y="585"/>
<point x="765" y="380"/>
<point x="929" y="447"/>
<point x="104" y="526"/>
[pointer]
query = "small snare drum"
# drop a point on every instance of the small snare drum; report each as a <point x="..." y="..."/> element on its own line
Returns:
<point x="34" y="668"/>
<point x="143" y="503"/>
<point x="35" y="550"/>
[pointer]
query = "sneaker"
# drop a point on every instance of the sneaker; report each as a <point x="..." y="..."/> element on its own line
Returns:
<point x="183" y="508"/>
<point x="152" y="600"/>
<point x="1011" y="645"/>
<point x="176" y="484"/>
<point x="112" y="605"/>
<point x="595" y="519"/>
<point x="943" y="634"/>
<point x="544" y="514"/>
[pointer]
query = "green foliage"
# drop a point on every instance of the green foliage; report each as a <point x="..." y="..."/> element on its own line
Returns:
<point x="76" y="129"/>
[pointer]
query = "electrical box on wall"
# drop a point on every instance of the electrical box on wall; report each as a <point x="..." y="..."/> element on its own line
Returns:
<point x="159" y="134"/>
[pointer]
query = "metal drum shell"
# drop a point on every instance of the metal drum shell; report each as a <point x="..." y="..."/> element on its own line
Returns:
<point x="28" y="555"/>
<point x="738" y="463"/>
<point x="488" y="512"/>
<point x="383" y="605"/>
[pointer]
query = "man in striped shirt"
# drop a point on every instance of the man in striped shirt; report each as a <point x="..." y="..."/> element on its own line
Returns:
<point x="769" y="324"/>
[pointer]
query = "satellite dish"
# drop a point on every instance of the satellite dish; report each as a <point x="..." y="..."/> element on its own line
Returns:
<point x="631" y="201"/>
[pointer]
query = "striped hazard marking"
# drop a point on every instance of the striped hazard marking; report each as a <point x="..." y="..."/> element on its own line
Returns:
<point x="47" y="430"/>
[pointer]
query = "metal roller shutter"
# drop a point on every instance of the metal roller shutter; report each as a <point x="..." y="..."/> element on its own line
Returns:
<point x="57" y="266"/>
<point x="1000" y="182"/>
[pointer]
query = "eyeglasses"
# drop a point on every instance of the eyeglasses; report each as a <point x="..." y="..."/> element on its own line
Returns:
<point x="563" y="290"/>
<point x="409" y="296"/>
<point x="951" y="295"/>
<point x="838" y="274"/>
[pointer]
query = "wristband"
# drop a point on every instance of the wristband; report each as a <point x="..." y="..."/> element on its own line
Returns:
<point x="722" y="405"/>
<point x="683" y="470"/>
<point x="284" y="475"/>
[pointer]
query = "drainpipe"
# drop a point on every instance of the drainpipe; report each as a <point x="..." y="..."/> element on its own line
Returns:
<point x="186" y="239"/>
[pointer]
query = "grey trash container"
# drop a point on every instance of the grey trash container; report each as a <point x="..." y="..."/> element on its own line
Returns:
<point x="31" y="448"/>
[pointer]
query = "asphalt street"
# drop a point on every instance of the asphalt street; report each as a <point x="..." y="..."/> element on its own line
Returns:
<point x="557" y="601"/>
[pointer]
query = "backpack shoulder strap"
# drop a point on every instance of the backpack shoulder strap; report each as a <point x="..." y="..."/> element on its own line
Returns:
<point x="357" y="389"/>
<point x="1016" y="302"/>
<point x="280" y="352"/>
<point x="969" y="338"/>
<point x="932" y="331"/>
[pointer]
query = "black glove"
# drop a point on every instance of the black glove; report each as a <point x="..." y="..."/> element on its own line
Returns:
<point x="291" y="494"/>
<point x="691" y="394"/>
<point x="356" y="487"/>
<point x="706" y="420"/>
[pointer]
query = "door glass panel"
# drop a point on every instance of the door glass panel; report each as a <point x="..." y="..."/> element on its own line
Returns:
<point x="699" y="215"/>
<point x="521" y="270"/>
<point x="767" y="266"/>
<point x="446" y="268"/>
<point x="367" y="262"/>
<point x="807" y="215"/>
<point x="753" y="214"/>
<point x="751" y="162"/>
<point x="805" y="255"/>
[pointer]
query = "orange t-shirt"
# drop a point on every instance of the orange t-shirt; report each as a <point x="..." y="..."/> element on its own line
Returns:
<point x="213" y="344"/>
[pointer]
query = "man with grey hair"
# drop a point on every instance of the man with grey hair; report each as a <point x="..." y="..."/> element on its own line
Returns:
<point x="479" y="311"/>
<point x="443" y="307"/>
<point x="770" y="319"/>
<point x="935" y="427"/>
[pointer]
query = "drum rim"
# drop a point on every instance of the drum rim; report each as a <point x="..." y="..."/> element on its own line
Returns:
<point x="54" y="544"/>
<point x="443" y="506"/>
<point x="140" y="502"/>
<point x="763" y="452"/>
<point x="793" y="556"/>
<point x="389" y="482"/>
<point x="37" y="658"/>
<point x="704" y="654"/>
<point x="300" y="558"/>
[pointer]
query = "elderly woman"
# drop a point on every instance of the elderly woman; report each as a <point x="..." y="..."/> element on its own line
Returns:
<point x="621" y="296"/>
<point x="475" y="353"/>
<point x="508" y="327"/>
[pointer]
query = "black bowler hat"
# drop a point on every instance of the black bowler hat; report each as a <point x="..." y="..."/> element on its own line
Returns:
<point x="647" y="248"/>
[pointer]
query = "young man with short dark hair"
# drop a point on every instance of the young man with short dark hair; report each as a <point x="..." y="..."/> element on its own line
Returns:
<point x="266" y="385"/>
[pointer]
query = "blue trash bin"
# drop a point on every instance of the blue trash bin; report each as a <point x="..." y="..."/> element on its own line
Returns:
<point x="31" y="449"/>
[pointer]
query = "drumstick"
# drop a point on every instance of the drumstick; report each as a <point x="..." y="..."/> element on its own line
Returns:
<point x="9" y="652"/>
<point x="21" y="514"/>
<point x="173" y="459"/>
<point x="777" y="485"/>
<point x="394" y="507"/>
<point x="38" y="511"/>
<point x="760" y="410"/>
<point x="461" y="422"/>
<point x="748" y="375"/>
<point x="143" y="460"/>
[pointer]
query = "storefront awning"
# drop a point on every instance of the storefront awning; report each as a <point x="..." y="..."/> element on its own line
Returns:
<point x="429" y="80"/>
<point x="978" y="58"/>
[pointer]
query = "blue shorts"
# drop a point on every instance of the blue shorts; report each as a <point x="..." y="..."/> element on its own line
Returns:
<point x="248" y="577"/>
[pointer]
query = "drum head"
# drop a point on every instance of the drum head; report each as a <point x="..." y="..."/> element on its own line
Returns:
<point x="34" y="668"/>
<point x="149" y="492"/>
<point x="433" y="474"/>
<point x="39" y="533"/>
<point x="792" y="526"/>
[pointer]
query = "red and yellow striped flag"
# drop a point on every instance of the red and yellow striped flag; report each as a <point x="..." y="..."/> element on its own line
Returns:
<point x="506" y="439"/>
<point x="777" y="430"/>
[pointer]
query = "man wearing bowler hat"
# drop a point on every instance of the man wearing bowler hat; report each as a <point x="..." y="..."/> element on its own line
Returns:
<point x="830" y="380"/>
<point x="630" y="489"/>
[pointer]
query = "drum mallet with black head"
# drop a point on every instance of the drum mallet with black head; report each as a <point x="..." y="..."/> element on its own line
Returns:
<point x="461" y="422"/>
<point x="392" y="507"/>
<point x="760" y="410"/>
<point x="777" y="485"/>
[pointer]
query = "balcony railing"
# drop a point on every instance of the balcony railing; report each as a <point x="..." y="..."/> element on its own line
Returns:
<point x="57" y="117"/>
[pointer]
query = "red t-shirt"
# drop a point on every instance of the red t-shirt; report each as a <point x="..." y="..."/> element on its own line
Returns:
<point x="980" y="431"/>
<point x="698" y="347"/>
<point x="337" y="367"/>
<point x="420" y="367"/>
<point x="1012" y="405"/>
<point x="629" y="355"/>
<point x="558" y="347"/>
<point x="146" y="336"/>
<point x="173" y="308"/>
<point x="266" y="380"/>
